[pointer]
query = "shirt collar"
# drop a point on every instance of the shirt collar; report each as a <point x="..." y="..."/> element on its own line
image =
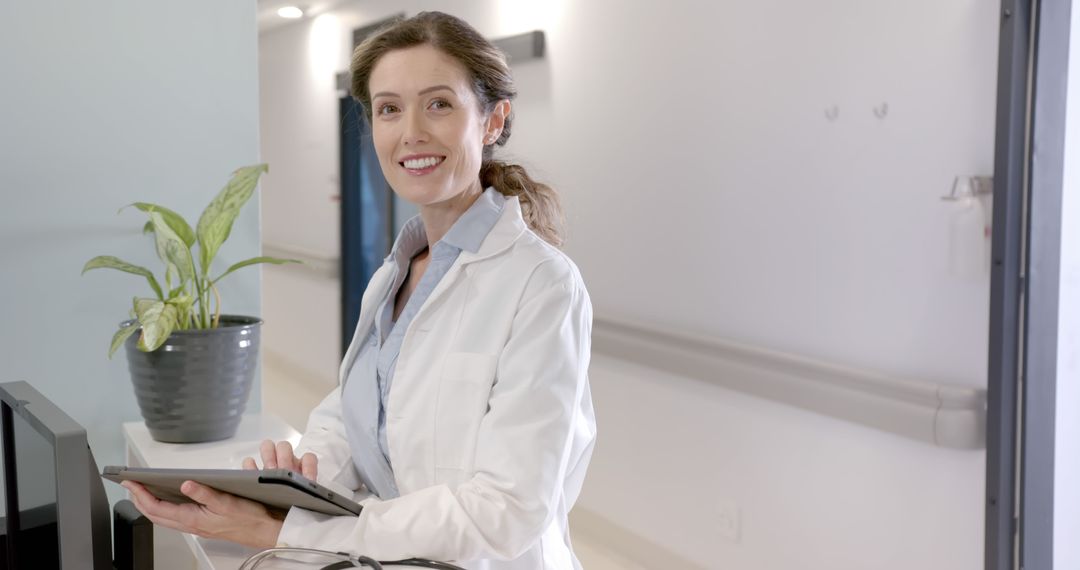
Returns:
<point x="469" y="231"/>
<point x="411" y="239"/>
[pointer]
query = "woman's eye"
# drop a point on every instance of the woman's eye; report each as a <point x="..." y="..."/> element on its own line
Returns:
<point x="439" y="104"/>
<point x="387" y="109"/>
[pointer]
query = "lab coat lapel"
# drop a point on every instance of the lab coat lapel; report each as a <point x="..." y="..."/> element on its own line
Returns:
<point x="506" y="231"/>
<point x="407" y="378"/>
<point x="376" y="289"/>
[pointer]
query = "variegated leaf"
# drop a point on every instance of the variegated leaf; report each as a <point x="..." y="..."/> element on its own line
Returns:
<point x="172" y="249"/>
<point x="121" y="336"/>
<point x="110" y="262"/>
<point x="217" y="219"/>
<point x="253" y="261"/>
<point x="158" y="320"/>
<point x="175" y="221"/>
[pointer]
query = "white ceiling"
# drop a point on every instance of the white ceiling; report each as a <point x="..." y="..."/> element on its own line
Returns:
<point x="266" y="11"/>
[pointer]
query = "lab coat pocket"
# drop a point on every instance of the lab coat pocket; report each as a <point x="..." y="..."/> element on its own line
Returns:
<point x="464" y="389"/>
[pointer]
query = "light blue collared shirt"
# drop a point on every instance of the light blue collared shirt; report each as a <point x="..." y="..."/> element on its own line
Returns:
<point x="365" y="419"/>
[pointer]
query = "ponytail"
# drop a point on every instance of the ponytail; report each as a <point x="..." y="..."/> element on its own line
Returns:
<point x="540" y="204"/>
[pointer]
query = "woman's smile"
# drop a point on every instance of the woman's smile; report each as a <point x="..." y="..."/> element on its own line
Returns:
<point x="421" y="164"/>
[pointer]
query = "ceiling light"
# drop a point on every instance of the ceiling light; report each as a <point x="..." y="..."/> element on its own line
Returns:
<point x="291" y="12"/>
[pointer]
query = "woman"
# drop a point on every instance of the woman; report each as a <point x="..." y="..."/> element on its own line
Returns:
<point x="464" y="420"/>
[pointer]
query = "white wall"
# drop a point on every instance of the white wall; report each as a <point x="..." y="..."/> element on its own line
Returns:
<point x="298" y="115"/>
<point x="104" y="104"/>
<point x="708" y="191"/>
<point x="1067" y="417"/>
<point x="674" y="118"/>
<point x="812" y="492"/>
<point x="701" y="127"/>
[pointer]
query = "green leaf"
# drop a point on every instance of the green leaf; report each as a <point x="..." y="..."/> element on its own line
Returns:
<point x="148" y="227"/>
<point x="253" y="261"/>
<point x="110" y="262"/>
<point x="183" y="304"/>
<point x="172" y="250"/>
<point x="217" y="219"/>
<point x="142" y="305"/>
<point x="121" y="336"/>
<point x="181" y="300"/>
<point x="158" y="320"/>
<point x="175" y="221"/>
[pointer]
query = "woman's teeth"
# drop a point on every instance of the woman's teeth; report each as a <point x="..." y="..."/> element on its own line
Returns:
<point x="419" y="163"/>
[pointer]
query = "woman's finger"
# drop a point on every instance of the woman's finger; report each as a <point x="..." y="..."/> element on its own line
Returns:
<point x="309" y="466"/>
<point x="214" y="499"/>
<point x="133" y="489"/>
<point x="131" y="485"/>
<point x="269" y="454"/>
<point x="158" y="511"/>
<point x="285" y="457"/>
<point x="140" y="496"/>
<point x="248" y="463"/>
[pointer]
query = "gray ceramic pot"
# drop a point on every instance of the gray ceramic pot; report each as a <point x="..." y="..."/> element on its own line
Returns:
<point x="195" y="386"/>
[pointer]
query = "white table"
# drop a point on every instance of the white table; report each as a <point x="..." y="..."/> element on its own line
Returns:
<point x="204" y="554"/>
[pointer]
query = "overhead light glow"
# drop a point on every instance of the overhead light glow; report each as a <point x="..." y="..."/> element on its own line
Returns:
<point x="518" y="16"/>
<point x="291" y="12"/>
<point x="328" y="48"/>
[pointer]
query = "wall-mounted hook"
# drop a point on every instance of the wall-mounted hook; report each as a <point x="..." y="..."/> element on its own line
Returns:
<point x="832" y="113"/>
<point x="970" y="187"/>
<point x="881" y="111"/>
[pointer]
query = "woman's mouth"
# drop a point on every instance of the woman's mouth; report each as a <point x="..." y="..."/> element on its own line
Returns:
<point x="422" y="165"/>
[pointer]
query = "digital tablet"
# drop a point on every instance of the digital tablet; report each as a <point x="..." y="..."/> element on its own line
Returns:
<point x="276" y="488"/>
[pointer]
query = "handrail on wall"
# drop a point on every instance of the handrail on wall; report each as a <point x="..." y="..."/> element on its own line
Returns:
<point x="944" y="415"/>
<point x="941" y="414"/>
<point x="311" y="262"/>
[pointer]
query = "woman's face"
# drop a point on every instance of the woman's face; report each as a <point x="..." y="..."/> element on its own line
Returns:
<point x="427" y="125"/>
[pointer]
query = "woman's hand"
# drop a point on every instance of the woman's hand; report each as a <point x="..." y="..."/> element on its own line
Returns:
<point x="280" y="456"/>
<point x="221" y="515"/>
<point x="216" y="515"/>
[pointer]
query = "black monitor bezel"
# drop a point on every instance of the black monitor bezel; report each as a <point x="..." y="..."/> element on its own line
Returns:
<point x="74" y="468"/>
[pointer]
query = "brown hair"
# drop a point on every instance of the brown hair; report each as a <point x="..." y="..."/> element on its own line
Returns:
<point x="491" y="81"/>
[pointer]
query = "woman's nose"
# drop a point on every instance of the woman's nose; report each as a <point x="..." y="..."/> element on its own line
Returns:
<point x="415" y="128"/>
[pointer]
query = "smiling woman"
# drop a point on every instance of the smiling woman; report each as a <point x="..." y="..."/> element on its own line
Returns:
<point x="428" y="127"/>
<point x="464" y="422"/>
<point x="455" y="80"/>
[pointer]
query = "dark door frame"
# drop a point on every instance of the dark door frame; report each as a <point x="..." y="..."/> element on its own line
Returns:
<point x="1021" y="388"/>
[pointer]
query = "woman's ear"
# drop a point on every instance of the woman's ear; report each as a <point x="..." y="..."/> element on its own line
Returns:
<point x="496" y="120"/>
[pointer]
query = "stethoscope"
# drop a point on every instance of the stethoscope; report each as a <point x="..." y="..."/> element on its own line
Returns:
<point x="344" y="560"/>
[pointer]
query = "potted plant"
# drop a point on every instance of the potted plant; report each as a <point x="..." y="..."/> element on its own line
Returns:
<point x="192" y="367"/>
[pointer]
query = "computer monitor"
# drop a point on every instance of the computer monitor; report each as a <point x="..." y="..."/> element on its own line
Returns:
<point x="57" y="510"/>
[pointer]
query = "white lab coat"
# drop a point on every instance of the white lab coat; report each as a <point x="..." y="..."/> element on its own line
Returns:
<point x="490" y="422"/>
